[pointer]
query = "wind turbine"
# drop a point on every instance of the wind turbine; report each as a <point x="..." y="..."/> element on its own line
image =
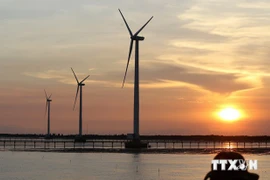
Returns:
<point x="135" y="37"/>
<point x="48" y="107"/>
<point x="80" y="85"/>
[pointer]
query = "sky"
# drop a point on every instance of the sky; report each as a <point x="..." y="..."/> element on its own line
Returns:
<point x="198" y="57"/>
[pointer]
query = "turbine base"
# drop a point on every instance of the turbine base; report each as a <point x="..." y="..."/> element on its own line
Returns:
<point x="48" y="136"/>
<point x="80" y="139"/>
<point x="136" y="144"/>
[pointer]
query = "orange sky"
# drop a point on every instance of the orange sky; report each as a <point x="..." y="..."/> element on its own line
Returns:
<point x="197" y="58"/>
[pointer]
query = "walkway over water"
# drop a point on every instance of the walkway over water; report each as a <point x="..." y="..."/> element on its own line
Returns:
<point x="69" y="144"/>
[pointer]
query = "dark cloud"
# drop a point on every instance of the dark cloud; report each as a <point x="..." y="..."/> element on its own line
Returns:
<point x="223" y="83"/>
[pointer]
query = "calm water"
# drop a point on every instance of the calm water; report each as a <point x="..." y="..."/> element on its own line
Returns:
<point x="112" y="166"/>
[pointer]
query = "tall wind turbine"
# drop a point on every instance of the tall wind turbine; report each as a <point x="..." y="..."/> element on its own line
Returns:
<point x="136" y="38"/>
<point x="48" y="109"/>
<point x="80" y="85"/>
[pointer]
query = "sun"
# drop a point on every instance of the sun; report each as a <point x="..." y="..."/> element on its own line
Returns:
<point x="229" y="114"/>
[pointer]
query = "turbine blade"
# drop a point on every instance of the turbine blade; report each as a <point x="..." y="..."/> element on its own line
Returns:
<point x="76" y="97"/>
<point x="46" y="108"/>
<point x="50" y="96"/>
<point x="75" y="76"/>
<point x="85" y="78"/>
<point x="46" y="94"/>
<point x="130" y="32"/>
<point x="129" y="54"/>
<point x="143" y="26"/>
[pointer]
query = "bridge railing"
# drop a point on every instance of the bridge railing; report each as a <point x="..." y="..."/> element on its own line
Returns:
<point x="24" y="144"/>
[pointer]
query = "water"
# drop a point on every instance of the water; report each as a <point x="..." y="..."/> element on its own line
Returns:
<point x="112" y="166"/>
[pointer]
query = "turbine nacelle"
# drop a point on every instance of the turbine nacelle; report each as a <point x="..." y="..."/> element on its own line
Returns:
<point x="137" y="38"/>
<point x="81" y="84"/>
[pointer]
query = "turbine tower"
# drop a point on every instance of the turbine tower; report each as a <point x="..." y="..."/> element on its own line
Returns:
<point x="135" y="37"/>
<point x="48" y="109"/>
<point x="80" y="85"/>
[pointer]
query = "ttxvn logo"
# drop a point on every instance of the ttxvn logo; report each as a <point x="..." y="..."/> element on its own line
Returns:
<point x="234" y="164"/>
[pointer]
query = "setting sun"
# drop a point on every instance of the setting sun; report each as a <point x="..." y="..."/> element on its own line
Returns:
<point x="229" y="114"/>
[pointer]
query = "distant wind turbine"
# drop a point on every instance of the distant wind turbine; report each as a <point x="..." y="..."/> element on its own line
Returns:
<point x="136" y="38"/>
<point x="80" y="85"/>
<point x="48" y="109"/>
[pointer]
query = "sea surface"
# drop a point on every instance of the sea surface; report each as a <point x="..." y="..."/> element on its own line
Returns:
<point x="21" y="165"/>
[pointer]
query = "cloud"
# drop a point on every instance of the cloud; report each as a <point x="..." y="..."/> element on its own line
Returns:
<point x="223" y="18"/>
<point x="162" y="76"/>
<point x="194" y="78"/>
<point x="95" y="8"/>
<point x="236" y="36"/>
<point x="66" y="77"/>
<point x="49" y="74"/>
<point x="255" y="5"/>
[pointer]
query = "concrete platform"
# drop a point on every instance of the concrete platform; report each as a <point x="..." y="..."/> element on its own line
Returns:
<point x="136" y="145"/>
<point x="79" y="139"/>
